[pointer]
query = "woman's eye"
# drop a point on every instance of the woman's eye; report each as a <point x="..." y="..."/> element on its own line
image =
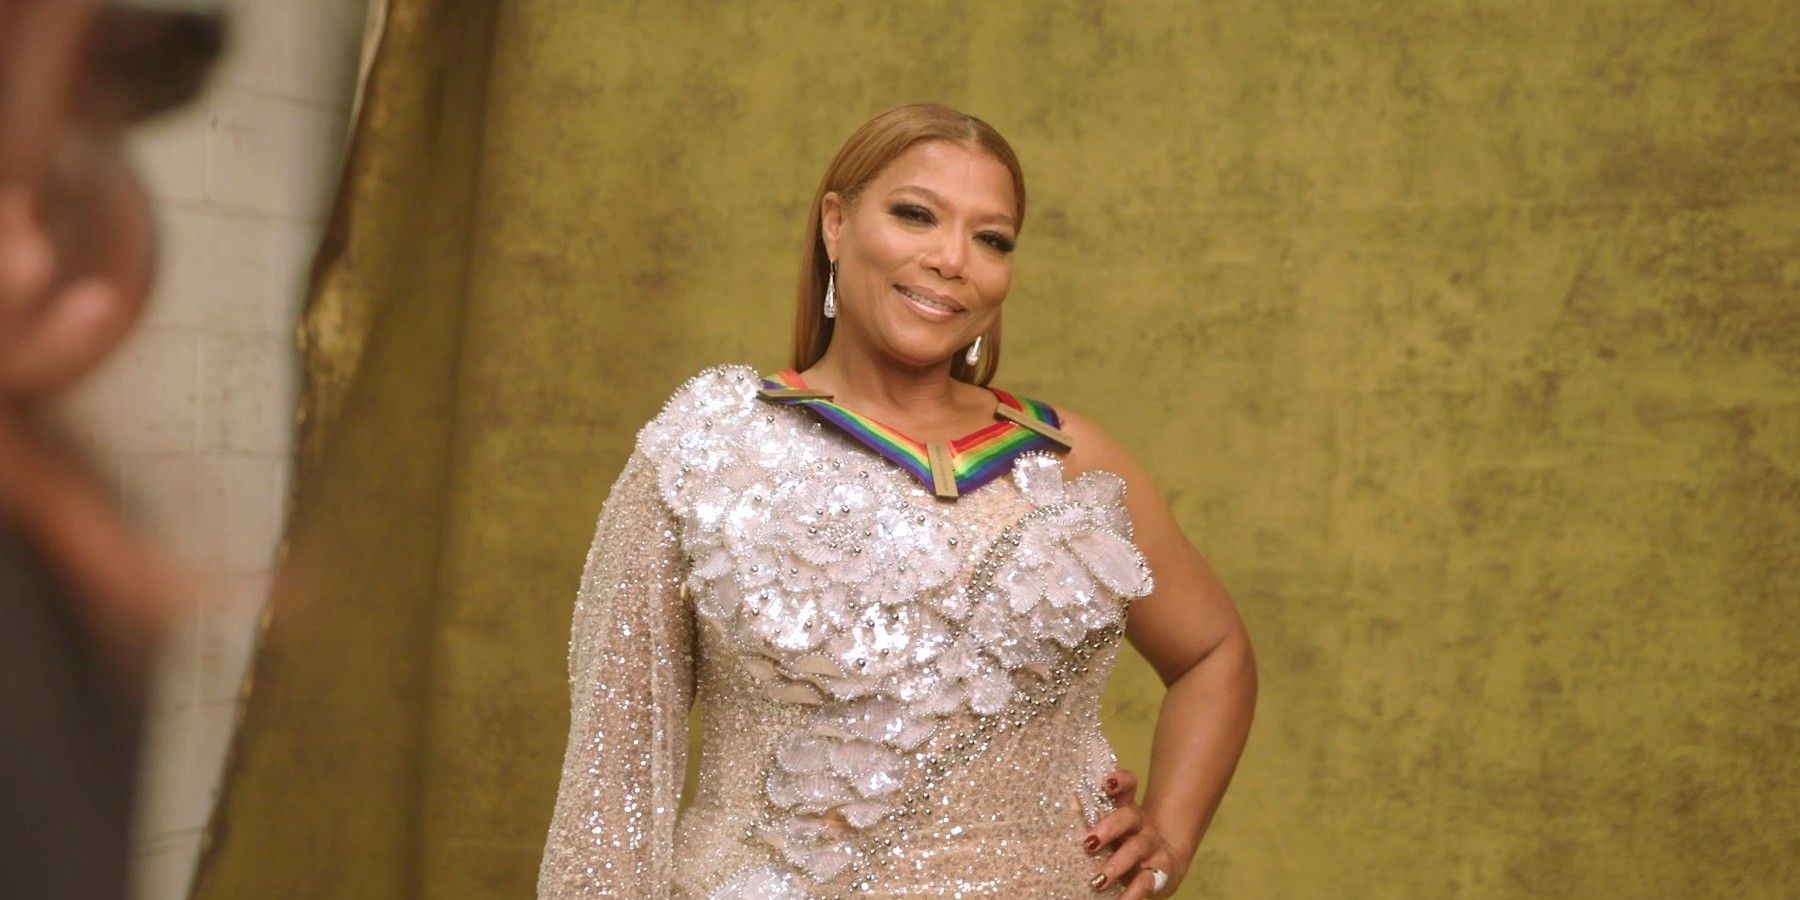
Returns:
<point x="912" y="212"/>
<point x="919" y="214"/>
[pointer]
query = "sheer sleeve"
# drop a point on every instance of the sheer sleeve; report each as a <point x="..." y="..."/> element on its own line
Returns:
<point x="631" y="682"/>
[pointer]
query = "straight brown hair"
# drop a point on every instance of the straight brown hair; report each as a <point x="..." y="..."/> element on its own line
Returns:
<point x="868" y="151"/>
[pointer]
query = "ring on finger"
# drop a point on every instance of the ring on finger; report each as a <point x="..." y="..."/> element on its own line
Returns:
<point x="1158" y="878"/>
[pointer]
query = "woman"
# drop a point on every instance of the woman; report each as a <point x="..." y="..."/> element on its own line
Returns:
<point x="896" y="594"/>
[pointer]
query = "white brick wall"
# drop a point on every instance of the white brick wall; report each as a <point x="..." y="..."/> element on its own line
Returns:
<point x="194" y="415"/>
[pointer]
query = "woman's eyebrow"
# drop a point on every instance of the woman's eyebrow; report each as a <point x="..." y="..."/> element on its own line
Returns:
<point x="939" y="200"/>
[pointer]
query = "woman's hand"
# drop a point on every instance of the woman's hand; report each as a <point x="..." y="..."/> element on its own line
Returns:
<point x="1137" y="845"/>
<point x="75" y="269"/>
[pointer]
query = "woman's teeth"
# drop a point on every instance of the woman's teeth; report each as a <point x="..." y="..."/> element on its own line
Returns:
<point x="926" y="301"/>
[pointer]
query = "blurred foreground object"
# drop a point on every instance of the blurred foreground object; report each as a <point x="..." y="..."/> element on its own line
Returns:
<point x="83" y="597"/>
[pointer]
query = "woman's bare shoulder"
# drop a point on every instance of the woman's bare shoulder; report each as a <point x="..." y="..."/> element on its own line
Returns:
<point x="1095" y="448"/>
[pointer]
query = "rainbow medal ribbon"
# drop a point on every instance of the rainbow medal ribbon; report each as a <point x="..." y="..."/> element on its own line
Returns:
<point x="949" y="469"/>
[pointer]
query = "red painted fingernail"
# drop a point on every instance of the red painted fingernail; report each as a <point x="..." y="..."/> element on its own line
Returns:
<point x="1112" y="784"/>
<point x="1098" y="880"/>
<point x="1090" y="843"/>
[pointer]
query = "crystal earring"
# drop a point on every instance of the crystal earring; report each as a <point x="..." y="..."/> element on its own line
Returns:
<point x="831" y="292"/>
<point x="974" y="355"/>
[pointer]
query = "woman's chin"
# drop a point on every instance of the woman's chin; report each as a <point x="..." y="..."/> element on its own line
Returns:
<point x="921" y="354"/>
<point x="922" y="344"/>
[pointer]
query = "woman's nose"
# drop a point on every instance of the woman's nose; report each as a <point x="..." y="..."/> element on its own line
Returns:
<point x="947" y="255"/>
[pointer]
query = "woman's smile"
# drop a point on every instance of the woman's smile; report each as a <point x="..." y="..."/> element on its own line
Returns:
<point x="927" y="306"/>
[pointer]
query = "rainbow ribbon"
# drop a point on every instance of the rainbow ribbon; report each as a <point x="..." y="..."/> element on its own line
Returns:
<point x="962" y="465"/>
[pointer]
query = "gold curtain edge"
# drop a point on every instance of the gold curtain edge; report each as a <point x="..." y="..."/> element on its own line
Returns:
<point x="308" y="431"/>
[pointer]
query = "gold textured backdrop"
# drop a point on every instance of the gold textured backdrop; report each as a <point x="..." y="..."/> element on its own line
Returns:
<point x="1463" y="336"/>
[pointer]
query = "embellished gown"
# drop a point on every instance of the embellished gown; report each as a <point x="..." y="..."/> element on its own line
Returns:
<point x="898" y="651"/>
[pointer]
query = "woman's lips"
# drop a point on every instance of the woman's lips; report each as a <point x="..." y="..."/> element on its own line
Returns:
<point x="929" y="309"/>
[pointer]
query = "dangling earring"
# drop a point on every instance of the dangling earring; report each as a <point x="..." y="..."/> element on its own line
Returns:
<point x="831" y="292"/>
<point x="974" y="355"/>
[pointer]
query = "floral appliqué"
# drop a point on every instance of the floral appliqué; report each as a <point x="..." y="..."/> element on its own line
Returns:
<point x="836" y="579"/>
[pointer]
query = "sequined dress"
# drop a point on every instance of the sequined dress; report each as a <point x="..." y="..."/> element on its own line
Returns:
<point x="898" y="693"/>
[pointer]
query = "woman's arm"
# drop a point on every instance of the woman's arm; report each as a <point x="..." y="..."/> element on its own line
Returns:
<point x="1191" y="634"/>
<point x="631" y="682"/>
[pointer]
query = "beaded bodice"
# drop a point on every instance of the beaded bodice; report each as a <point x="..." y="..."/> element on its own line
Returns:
<point x="898" y="693"/>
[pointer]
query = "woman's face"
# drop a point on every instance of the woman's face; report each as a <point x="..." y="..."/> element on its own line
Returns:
<point x="924" y="255"/>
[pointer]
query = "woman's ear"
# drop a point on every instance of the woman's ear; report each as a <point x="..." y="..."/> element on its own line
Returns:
<point x="831" y="221"/>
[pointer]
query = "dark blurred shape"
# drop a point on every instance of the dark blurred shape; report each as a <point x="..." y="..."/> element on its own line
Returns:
<point x="68" y="745"/>
<point x="146" y="60"/>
